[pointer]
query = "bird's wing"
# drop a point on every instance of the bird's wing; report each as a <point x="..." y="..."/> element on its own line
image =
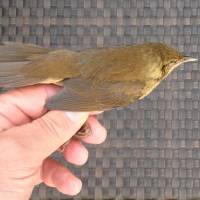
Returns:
<point x="27" y="64"/>
<point x="82" y="95"/>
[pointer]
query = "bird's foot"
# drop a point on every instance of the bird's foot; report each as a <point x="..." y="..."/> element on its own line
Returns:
<point x="84" y="131"/>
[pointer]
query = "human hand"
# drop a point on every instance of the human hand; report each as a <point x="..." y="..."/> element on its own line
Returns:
<point x="30" y="134"/>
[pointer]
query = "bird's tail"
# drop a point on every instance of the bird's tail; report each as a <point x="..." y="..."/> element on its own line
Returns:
<point x="13" y="57"/>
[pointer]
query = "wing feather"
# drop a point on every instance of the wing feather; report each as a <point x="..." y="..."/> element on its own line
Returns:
<point x="83" y="95"/>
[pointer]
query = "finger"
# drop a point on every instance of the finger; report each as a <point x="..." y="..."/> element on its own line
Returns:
<point x="99" y="133"/>
<point x="56" y="175"/>
<point x="75" y="152"/>
<point x="21" y="105"/>
<point x="46" y="134"/>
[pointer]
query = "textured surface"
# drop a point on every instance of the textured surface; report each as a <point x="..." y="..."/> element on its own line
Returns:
<point x="153" y="148"/>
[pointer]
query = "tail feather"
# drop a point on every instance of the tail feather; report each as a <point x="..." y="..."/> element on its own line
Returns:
<point x="15" y="52"/>
<point x="13" y="57"/>
<point x="11" y="77"/>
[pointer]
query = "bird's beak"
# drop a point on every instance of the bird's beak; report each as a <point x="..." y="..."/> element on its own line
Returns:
<point x="189" y="59"/>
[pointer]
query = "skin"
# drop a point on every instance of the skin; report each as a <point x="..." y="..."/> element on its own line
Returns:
<point x="30" y="134"/>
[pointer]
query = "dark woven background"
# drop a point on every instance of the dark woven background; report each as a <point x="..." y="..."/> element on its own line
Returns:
<point x="153" y="147"/>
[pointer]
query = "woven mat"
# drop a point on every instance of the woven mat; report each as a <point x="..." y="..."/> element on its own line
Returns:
<point x="153" y="147"/>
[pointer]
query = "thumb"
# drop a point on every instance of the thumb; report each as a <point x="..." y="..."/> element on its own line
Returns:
<point x="45" y="135"/>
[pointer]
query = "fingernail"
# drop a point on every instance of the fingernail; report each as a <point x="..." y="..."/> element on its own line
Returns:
<point x="76" y="187"/>
<point x="77" y="116"/>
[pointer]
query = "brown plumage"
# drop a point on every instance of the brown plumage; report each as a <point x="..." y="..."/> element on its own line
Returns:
<point x="94" y="79"/>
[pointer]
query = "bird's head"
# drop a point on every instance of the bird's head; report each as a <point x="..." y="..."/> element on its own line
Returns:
<point x="171" y="58"/>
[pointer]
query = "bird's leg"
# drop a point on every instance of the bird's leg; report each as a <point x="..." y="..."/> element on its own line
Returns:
<point x="84" y="131"/>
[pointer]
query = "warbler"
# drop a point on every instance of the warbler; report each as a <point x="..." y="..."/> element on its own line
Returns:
<point x="92" y="79"/>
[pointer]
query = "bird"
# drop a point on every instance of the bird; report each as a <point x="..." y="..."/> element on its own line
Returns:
<point x="96" y="79"/>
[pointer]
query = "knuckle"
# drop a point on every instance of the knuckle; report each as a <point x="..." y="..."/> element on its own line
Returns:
<point x="53" y="125"/>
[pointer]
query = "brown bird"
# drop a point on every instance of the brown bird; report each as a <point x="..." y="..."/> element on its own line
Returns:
<point x="93" y="79"/>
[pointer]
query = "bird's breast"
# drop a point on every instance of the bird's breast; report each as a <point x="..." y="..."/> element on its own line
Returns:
<point x="149" y="87"/>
